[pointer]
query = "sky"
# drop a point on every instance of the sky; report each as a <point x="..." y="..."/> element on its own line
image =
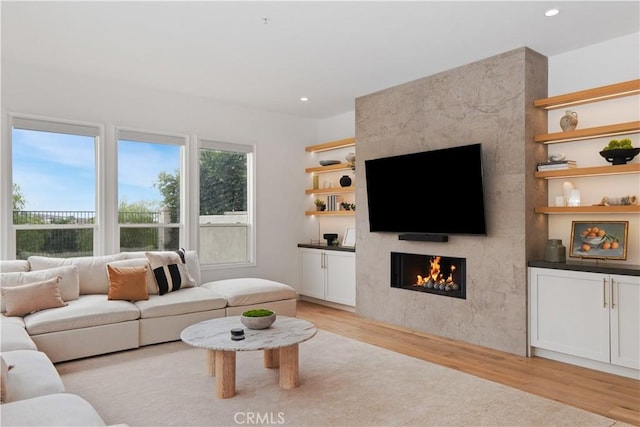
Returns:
<point x="56" y="172"/>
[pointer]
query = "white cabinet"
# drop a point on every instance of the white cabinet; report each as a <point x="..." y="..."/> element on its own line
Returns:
<point x="327" y="275"/>
<point x="590" y="316"/>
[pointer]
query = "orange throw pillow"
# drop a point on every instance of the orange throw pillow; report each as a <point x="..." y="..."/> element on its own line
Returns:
<point x="127" y="283"/>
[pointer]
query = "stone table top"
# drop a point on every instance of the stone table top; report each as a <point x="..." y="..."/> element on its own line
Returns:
<point x="215" y="334"/>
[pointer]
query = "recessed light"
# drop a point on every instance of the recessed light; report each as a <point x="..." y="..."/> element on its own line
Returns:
<point x="304" y="99"/>
<point x="551" y="12"/>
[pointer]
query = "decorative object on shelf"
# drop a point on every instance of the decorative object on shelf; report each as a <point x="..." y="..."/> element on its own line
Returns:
<point x="259" y="318"/>
<point x="554" y="251"/>
<point x="351" y="159"/>
<point x="602" y="240"/>
<point x="349" y="240"/>
<point x="331" y="238"/>
<point x="567" y="186"/>
<point x="329" y="162"/>
<point x="557" y="157"/>
<point x="569" y="121"/>
<point x="346" y="206"/>
<point x="320" y="205"/>
<point x="618" y="201"/>
<point x="316" y="182"/>
<point x="345" y="181"/>
<point x="574" y="198"/>
<point x="619" y="152"/>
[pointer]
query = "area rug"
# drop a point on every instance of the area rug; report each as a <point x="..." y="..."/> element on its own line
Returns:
<point x="343" y="383"/>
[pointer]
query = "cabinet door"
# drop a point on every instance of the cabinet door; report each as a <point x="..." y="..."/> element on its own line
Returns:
<point x="570" y="312"/>
<point x="311" y="272"/>
<point x="625" y="321"/>
<point x="341" y="277"/>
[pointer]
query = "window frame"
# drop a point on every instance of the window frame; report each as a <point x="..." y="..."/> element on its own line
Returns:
<point x="153" y="137"/>
<point x="53" y="125"/>
<point x="250" y="150"/>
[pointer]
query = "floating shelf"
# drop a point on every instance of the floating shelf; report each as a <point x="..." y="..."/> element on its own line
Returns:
<point x="588" y="209"/>
<point x="330" y="168"/>
<point x="330" y="213"/>
<point x="333" y="190"/>
<point x="628" y="168"/>
<point x="341" y="143"/>
<point x="589" y="133"/>
<point x="617" y="90"/>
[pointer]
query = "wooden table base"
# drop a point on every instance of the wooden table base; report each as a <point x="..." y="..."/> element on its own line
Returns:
<point x="222" y="365"/>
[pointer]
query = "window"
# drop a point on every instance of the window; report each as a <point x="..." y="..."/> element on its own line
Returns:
<point x="149" y="190"/>
<point x="226" y="231"/>
<point x="53" y="188"/>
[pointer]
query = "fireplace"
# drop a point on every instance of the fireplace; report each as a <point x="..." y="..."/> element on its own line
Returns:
<point x="433" y="274"/>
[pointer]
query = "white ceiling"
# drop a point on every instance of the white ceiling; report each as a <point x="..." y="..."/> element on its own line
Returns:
<point x="329" y="51"/>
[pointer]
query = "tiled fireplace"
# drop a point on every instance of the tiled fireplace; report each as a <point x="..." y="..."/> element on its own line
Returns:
<point x="433" y="274"/>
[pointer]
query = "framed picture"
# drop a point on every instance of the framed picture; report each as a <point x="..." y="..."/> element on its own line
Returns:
<point x="349" y="240"/>
<point x="599" y="239"/>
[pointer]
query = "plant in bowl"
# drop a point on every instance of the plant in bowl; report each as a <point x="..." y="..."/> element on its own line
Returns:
<point x="320" y="205"/>
<point x="619" y="152"/>
<point x="259" y="318"/>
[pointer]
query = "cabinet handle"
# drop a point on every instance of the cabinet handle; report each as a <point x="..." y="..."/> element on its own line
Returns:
<point x="613" y="304"/>
<point x="604" y="292"/>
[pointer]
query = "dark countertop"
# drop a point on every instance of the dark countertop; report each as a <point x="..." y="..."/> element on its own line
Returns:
<point x="326" y="247"/>
<point x="590" y="267"/>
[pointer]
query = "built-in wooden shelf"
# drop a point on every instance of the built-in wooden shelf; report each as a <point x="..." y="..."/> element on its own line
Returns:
<point x="631" y="87"/>
<point x="588" y="209"/>
<point x="617" y="90"/>
<point x="332" y="190"/>
<point x="589" y="133"/>
<point x="330" y="213"/>
<point x="628" y="168"/>
<point x="330" y="168"/>
<point x="341" y="143"/>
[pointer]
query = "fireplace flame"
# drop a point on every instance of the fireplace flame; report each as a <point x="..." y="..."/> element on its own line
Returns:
<point x="436" y="279"/>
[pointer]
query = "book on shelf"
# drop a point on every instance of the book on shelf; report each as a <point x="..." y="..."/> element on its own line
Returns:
<point x="555" y="165"/>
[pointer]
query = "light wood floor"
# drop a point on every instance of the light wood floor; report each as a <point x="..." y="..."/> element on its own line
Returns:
<point x="609" y="395"/>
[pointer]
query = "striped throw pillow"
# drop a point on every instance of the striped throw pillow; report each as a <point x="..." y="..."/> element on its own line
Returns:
<point x="169" y="270"/>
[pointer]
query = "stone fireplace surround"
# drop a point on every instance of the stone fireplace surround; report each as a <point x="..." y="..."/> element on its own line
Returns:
<point x="491" y="102"/>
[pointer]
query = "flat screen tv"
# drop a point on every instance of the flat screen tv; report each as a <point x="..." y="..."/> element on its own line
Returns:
<point x="432" y="192"/>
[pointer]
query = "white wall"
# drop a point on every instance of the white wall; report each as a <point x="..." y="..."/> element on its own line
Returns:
<point x="279" y="141"/>
<point x="614" y="61"/>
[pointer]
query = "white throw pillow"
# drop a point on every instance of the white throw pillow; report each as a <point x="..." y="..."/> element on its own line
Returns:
<point x="69" y="281"/>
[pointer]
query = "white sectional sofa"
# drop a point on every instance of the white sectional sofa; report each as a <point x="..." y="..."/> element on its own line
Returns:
<point x="89" y="318"/>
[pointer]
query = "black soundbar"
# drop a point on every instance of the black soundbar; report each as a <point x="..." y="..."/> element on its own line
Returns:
<point x="424" y="237"/>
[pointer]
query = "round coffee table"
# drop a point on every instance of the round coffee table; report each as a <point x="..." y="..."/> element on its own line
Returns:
<point x="279" y="342"/>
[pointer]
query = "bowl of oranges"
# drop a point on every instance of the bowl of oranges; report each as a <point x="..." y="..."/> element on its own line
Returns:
<point x="593" y="237"/>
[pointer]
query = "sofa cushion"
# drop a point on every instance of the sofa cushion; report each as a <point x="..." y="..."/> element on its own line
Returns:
<point x="92" y="270"/>
<point x="127" y="283"/>
<point x="248" y="291"/>
<point x="152" y="288"/>
<point x="186" y="300"/>
<point x="25" y="299"/>
<point x="69" y="282"/>
<point x="32" y="375"/>
<point x="53" y="410"/>
<point x="169" y="270"/>
<point x="12" y="266"/>
<point x="4" y="374"/>
<point x="86" y="311"/>
<point x="14" y="336"/>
